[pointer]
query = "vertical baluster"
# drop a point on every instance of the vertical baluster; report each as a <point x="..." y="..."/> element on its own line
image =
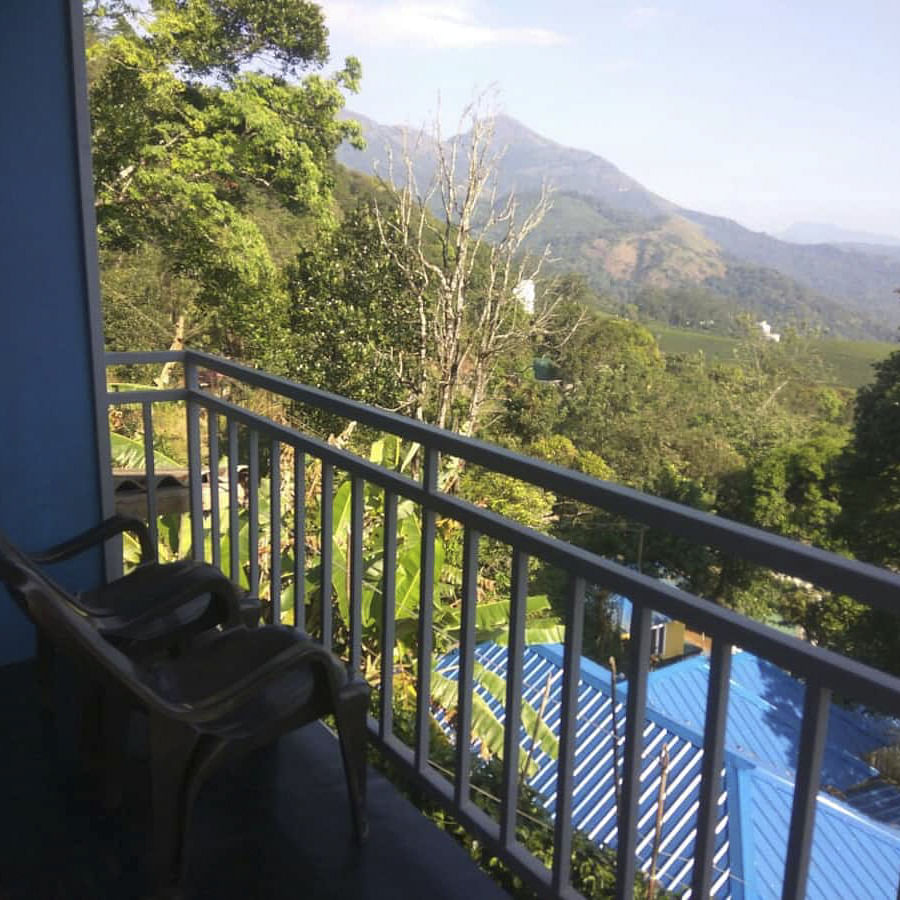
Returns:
<point x="389" y="597"/>
<point x="711" y="773"/>
<point x="512" y="717"/>
<point x="150" y="469"/>
<point x="194" y="476"/>
<point x="357" y="510"/>
<point x="215" y="525"/>
<point x="234" y="522"/>
<point x="327" y="548"/>
<point x="806" y="787"/>
<point x="426" y="616"/>
<point x="253" y="513"/>
<point x="275" y="531"/>
<point x="299" y="539"/>
<point x="565" y="780"/>
<point x="626" y="826"/>
<point x="466" y="668"/>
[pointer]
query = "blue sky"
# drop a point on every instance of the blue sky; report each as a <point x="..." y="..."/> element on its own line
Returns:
<point x="767" y="112"/>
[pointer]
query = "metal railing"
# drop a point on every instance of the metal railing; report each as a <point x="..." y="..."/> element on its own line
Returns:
<point x="824" y="672"/>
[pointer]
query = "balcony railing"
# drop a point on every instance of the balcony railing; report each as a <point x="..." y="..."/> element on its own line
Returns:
<point x="823" y="672"/>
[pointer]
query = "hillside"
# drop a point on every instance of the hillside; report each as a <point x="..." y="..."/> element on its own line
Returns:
<point x="626" y="239"/>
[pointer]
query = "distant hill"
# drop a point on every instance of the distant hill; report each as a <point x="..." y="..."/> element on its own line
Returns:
<point x="819" y="233"/>
<point x="628" y="240"/>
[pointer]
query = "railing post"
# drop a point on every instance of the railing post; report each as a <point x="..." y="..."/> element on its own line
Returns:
<point x="388" y="615"/>
<point x="215" y="525"/>
<point x="465" y="674"/>
<point x="150" y="470"/>
<point x="357" y="510"/>
<point x="234" y="522"/>
<point x="327" y="551"/>
<point x="565" y="781"/>
<point x="711" y="773"/>
<point x="512" y="713"/>
<point x="635" y="710"/>
<point x="299" y="540"/>
<point x="253" y="513"/>
<point x="426" y="614"/>
<point x="806" y="788"/>
<point x="194" y="474"/>
<point x="275" y="531"/>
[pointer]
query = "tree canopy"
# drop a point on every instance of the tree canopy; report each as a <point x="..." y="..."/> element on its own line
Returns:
<point x="187" y="119"/>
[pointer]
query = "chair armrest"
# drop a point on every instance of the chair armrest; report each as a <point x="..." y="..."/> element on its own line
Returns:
<point x="107" y="529"/>
<point x="244" y="689"/>
<point x="204" y="579"/>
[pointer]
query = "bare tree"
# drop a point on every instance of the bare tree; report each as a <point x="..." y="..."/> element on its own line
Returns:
<point x="459" y="245"/>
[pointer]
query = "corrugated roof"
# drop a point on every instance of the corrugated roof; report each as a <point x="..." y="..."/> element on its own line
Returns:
<point x="852" y="857"/>
<point x="877" y="799"/>
<point x="765" y="711"/>
<point x="594" y="805"/>
<point x="852" y="854"/>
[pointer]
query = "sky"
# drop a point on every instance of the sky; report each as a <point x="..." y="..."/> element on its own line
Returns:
<point x="767" y="112"/>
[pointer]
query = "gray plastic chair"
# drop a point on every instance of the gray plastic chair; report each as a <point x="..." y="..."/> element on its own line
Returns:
<point x="228" y="693"/>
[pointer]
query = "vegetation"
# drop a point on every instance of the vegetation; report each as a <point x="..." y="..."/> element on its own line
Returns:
<point x="225" y="223"/>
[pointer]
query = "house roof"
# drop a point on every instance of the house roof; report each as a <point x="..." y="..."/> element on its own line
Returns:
<point x="753" y="809"/>
<point x="765" y="712"/>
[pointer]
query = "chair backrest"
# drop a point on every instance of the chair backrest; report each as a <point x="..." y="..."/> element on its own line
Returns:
<point x="52" y="609"/>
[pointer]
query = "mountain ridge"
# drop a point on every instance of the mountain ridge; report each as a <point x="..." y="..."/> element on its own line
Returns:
<point x="625" y="238"/>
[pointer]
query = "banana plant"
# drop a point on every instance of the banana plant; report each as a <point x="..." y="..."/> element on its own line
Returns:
<point x="492" y="616"/>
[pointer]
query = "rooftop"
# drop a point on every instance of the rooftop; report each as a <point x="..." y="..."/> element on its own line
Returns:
<point x="849" y="849"/>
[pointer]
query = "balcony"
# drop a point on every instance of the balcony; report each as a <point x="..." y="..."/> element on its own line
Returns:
<point x="277" y="826"/>
<point x="241" y="506"/>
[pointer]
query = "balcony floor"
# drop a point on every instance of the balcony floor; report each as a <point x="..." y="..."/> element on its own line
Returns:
<point x="276" y="825"/>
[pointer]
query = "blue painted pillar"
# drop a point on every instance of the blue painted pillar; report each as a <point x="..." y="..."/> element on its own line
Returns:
<point x="50" y="452"/>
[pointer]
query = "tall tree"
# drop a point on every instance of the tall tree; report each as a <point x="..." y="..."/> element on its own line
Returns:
<point x="474" y="286"/>
<point x="187" y="118"/>
<point x="871" y="496"/>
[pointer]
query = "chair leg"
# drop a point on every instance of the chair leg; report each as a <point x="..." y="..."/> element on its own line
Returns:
<point x="350" y="715"/>
<point x="171" y="749"/>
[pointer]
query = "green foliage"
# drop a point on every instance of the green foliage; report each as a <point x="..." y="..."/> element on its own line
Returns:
<point x="872" y="494"/>
<point x="175" y="152"/>
<point x="353" y="325"/>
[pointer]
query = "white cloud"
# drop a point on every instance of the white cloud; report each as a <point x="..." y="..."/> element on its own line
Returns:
<point x="643" y="16"/>
<point x="432" y="25"/>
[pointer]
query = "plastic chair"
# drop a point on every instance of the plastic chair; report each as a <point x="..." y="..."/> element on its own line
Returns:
<point x="227" y="694"/>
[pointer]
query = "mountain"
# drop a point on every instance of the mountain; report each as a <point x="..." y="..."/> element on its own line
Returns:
<point x="628" y="240"/>
<point x="819" y="233"/>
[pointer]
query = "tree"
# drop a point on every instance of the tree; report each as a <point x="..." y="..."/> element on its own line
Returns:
<point x="871" y="490"/>
<point x="473" y="285"/>
<point x="184" y="128"/>
<point x="352" y="321"/>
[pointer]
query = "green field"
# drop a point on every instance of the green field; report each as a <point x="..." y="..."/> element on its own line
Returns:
<point x="850" y="361"/>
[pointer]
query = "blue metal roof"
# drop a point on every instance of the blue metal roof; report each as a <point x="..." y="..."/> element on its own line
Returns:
<point x="877" y="799"/>
<point x="765" y="711"/>
<point x="594" y="805"/>
<point x="851" y="857"/>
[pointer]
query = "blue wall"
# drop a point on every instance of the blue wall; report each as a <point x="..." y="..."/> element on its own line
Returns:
<point x="49" y="473"/>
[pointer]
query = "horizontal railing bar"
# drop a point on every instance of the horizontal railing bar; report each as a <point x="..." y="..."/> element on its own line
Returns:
<point x="845" y="676"/>
<point x="825" y="569"/>
<point x="126" y="398"/>
<point x="144" y="357"/>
